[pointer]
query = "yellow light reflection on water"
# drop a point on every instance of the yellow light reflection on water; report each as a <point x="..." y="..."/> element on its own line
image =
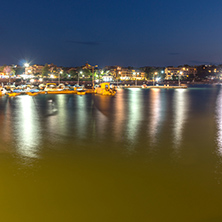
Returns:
<point x="28" y="128"/>
<point x="155" y="109"/>
<point x="134" y="114"/>
<point x="180" y="115"/>
<point x="62" y="114"/>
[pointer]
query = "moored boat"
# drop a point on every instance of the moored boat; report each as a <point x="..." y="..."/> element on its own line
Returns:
<point x="105" y="89"/>
<point x="33" y="92"/>
<point x="52" y="87"/>
<point x="13" y="94"/>
<point x="81" y="92"/>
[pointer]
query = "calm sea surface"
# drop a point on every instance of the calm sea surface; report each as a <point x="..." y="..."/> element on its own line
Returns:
<point x="144" y="155"/>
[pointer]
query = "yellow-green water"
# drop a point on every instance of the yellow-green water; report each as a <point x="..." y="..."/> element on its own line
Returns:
<point x="143" y="155"/>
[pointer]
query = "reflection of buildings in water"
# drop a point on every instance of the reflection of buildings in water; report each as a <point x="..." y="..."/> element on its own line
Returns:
<point x="27" y="127"/>
<point x="155" y="109"/>
<point x="134" y="114"/>
<point x="219" y="121"/>
<point x="103" y="111"/>
<point x="180" y="108"/>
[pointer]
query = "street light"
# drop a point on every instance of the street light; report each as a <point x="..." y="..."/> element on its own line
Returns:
<point x="181" y="73"/>
<point x="155" y="73"/>
<point x="59" y="76"/>
<point x="78" y="77"/>
<point x="136" y="77"/>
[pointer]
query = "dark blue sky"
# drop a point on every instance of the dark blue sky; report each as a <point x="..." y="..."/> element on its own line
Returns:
<point x="111" y="32"/>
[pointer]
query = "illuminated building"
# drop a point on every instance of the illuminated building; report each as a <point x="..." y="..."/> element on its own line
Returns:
<point x="175" y="71"/>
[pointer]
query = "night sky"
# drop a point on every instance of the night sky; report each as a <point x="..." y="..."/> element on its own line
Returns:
<point x="111" y="32"/>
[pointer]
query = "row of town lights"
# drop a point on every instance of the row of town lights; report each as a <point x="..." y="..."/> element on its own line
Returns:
<point x="134" y="73"/>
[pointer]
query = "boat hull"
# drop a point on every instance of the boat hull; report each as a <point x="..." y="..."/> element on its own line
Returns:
<point x="13" y="94"/>
<point x="32" y="93"/>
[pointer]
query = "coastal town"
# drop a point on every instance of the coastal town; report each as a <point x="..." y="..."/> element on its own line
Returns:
<point x="87" y="72"/>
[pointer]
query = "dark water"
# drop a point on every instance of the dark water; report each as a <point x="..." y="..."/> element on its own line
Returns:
<point x="143" y="155"/>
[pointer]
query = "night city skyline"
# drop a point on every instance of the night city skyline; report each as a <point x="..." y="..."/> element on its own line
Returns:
<point x="125" y="33"/>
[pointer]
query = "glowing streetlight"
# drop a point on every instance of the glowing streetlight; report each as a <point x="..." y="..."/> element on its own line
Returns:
<point x="78" y="76"/>
<point x="181" y="73"/>
<point x="155" y="73"/>
<point x="59" y="75"/>
<point x="26" y="65"/>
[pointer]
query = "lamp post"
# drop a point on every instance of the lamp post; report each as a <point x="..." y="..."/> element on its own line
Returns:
<point x="155" y="73"/>
<point x="179" y="77"/>
<point x="78" y="76"/>
<point x="118" y="72"/>
<point x="136" y="78"/>
<point x="26" y="65"/>
<point x="59" y="76"/>
<point x="93" y="76"/>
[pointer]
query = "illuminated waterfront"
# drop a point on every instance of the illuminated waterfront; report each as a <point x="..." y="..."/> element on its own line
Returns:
<point x="143" y="155"/>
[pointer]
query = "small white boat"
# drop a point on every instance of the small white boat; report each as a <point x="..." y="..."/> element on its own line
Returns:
<point x="52" y="87"/>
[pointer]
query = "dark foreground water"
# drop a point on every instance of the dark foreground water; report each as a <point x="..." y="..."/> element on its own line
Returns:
<point x="143" y="155"/>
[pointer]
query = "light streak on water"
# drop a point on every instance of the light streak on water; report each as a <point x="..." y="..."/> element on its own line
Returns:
<point x="155" y="109"/>
<point x="119" y="115"/>
<point x="81" y="116"/>
<point x="28" y="128"/>
<point x="62" y="114"/>
<point x="134" y="114"/>
<point x="180" y="108"/>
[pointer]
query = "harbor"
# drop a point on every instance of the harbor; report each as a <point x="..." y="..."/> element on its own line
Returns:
<point x="52" y="88"/>
<point x="105" y="88"/>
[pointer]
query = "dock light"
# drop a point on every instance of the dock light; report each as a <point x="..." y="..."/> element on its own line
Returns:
<point x="52" y="76"/>
<point x="40" y="79"/>
<point x="32" y="80"/>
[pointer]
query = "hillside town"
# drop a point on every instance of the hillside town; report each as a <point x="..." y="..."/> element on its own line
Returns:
<point x="111" y="73"/>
